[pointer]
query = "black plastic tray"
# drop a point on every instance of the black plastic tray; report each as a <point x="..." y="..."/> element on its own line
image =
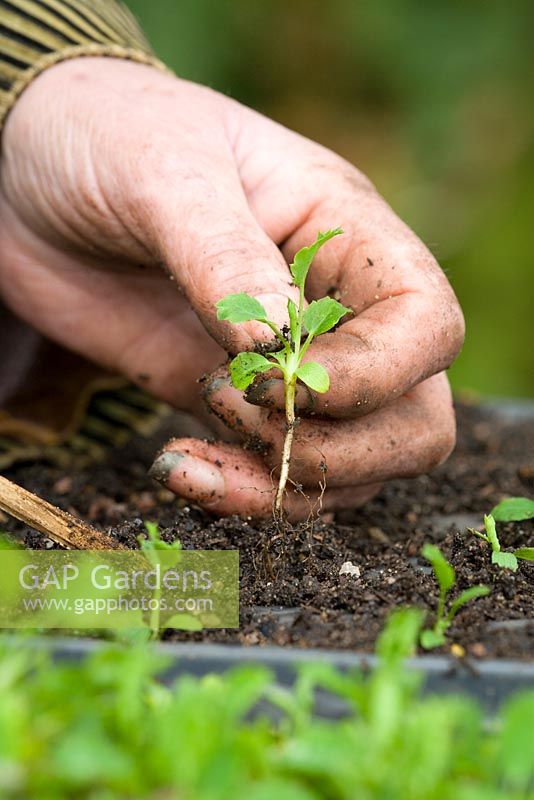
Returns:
<point x="490" y="682"/>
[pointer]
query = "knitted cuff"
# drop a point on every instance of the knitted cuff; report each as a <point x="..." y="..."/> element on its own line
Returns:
<point x="9" y="99"/>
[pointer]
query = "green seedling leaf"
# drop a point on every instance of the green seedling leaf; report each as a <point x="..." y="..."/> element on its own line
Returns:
<point x="516" y="756"/>
<point x="155" y="542"/>
<point x="303" y="259"/>
<point x="183" y="622"/>
<point x="245" y="367"/>
<point x="9" y="543"/>
<point x="240" y="308"/>
<point x="322" y="315"/>
<point x="491" y="532"/>
<point x="399" y="638"/>
<point x="482" y="536"/>
<point x="153" y="532"/>
<point x="293" y="318"/>
<point x="280" y="357"/>
<point x="526" y="553"/>
<point x="430" y="639"/>
<point x="465" y="597"/>
<point x="315" y="376"/>
<point x="152" y="546"/>
<point x="514" y="509"/>
<point x="444" y="571"/>
<point x="506" y="560"/>
<point x="133" y="636"/>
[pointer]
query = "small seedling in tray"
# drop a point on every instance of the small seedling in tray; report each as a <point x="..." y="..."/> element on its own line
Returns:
<point x="152" y="546"/>
<point x="446" y="578"/>
<point x="514" y="509"/>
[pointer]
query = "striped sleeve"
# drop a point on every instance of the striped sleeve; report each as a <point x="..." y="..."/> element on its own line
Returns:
<point x="34" y="34"/>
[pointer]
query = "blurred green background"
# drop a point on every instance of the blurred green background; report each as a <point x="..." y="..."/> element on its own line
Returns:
<point x="433" y="100"/>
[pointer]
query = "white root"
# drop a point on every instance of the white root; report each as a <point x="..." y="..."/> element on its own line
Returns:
<point x="286" y="453"/>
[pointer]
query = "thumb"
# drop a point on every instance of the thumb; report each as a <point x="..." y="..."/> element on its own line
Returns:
<point x="207" y="236"/>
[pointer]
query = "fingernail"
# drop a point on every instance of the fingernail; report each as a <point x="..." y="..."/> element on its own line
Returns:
<point x="164" y="465"/>
<point x="212" y="385"/>
<point x="265" y="393"/>
<point x="187" y="475"/>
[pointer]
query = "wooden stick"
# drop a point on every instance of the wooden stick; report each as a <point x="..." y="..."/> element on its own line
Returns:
<point x="58" y="525"/>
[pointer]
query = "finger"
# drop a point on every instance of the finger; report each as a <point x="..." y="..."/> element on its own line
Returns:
<point x="404" y="439"/>
<point x="407" y="324"/>
<point x="205" y="233"/>
<point x="225" y="480"/>
<point x="130" y="321"/>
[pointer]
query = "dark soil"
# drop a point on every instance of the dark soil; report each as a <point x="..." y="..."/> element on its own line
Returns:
<point x="304" y="602"/>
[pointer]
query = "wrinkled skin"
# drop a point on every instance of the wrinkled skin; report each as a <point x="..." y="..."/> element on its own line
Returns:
<point x="116" y="177"/>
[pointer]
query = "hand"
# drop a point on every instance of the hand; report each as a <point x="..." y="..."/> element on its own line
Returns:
<point x="116" y="178"/>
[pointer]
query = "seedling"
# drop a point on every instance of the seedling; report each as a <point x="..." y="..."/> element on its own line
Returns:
<point x="446" y="578"/>
<point x="304" y="323"/>
<point x="132" y="730"/>
<point x="513" y="509"/>
<point x="152" y="547"/>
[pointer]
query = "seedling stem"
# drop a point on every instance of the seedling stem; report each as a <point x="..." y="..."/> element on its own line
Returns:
<point x="288" y="444"/>
<point x="318" y="318"/>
